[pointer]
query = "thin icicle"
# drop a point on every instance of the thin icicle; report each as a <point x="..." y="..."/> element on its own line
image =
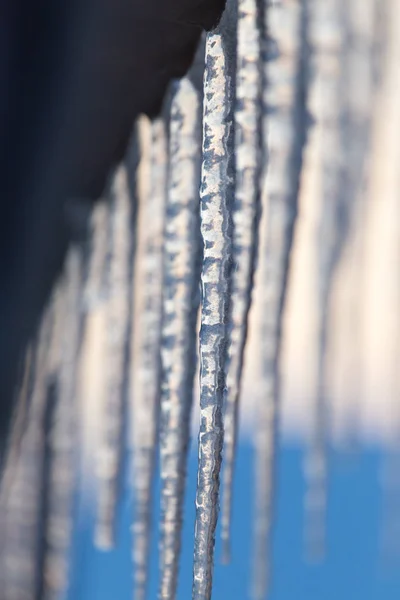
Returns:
<point x="284" y="135"/>
<point x="92" y="375"/>
<point x="244" y="216"/>
<point x="181" y="301"/>
<point x="63" y="439"/>
<point x="145" y="377"/>
<point x="326" y="107"/>
<point x="342" y="88"/>
<point x="118" y="278"/>
<point x="19" y="426"/>
<point x="95" y="293"/>
<point x="360" y="37"/>
<point x="22" y="500"/>
<point x="216" y="199"/>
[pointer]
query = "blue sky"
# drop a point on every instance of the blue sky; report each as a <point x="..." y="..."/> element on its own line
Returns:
<point x="354" y="568"/>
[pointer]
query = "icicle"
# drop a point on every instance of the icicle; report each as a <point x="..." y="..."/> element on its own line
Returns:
<point x="117" y="316"/>
<point x="63" y="439"/>
<point x="244" y="216"/>
<point x="13" y="458"/>
<point x="20" y="423"/>
<point x="342" y="92"/>
<point x="385" y="209"/>
<point x="358" y="92"/>
<point x="92" y="371"/>
<point x="360" y="37"/>
<point x="284" y="134"/>
<point x="181" y="301"/>
<point x="95" y="293"/>
<point x="326" y="108"/>
<point x="22" y="500"/>
<point x="216" y="198"/>
<point x="145" y="376"/>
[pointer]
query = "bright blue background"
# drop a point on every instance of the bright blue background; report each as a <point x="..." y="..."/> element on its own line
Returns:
<point x="354" y="569"/>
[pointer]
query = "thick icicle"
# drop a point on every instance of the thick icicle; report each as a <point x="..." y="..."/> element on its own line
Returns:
<point x="182" y="260"/>
<point x="244" y="215"/>
<point x="117" y="282"/>
<point x="63" y="438"/>
<point x="145" y="376"/>
<point x="216" y="199"/>
<point x="326" y="108"/>
<point x="284" y="135"/>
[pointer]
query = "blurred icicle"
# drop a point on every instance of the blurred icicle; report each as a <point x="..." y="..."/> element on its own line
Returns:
<point x="244" y="215"/>
<point x="17" y="433"/>
<point x="385" y="185"/>
<point x="341" y="83"/>
<point x="95" y="292"/>
<point x="63" y="437"/>
<point x="326" y="108"/>
<point x="117" y="330"/>
<point x="358" y="96"/>
<point x="284" y="136"/>
<point x="22" y="500"/>
<point x="92" y="371"/>
<point x="146" y="360"/>
<point x="181" y="302"/>
<point x="216" y="193"/>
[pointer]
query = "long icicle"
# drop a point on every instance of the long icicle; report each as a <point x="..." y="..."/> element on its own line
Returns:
<point x="216" y="193"/>
<point x="326" y="108"/>
<point x="19" y="426"/>
<point x="23" y="499"/>
<point x="64" y="441"/>
<point x="284" y="136"/>
<point x="244" y="215"/>
<point x="54" y="361"/>
<point x="118" y="279"/>
<point x="13" y="456"/>
<point x="361" y="34"/>
<point x="92" y="371"/>
<point x="145" y="377"/>
<point x="182" y="261"/>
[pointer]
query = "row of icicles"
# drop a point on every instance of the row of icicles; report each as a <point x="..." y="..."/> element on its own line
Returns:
<point x="285" y="82"/>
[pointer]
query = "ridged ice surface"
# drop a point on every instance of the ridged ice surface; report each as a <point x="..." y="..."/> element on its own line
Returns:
<point x="284" y="160"/>
<point x="215" y="194"/>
